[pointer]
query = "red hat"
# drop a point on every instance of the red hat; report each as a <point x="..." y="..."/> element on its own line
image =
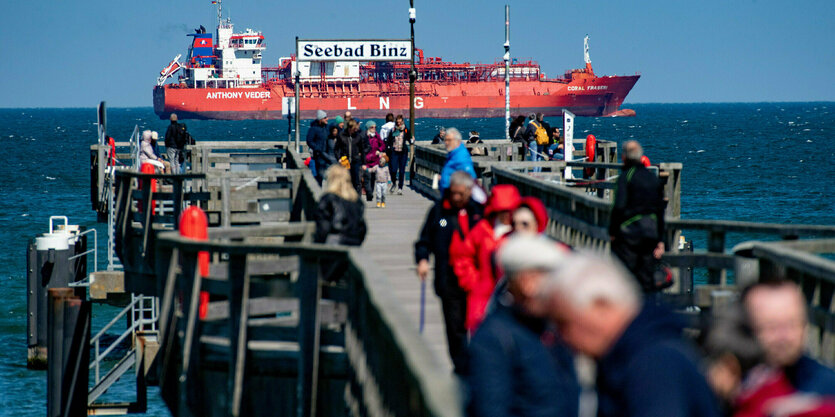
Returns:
<point x="539" y="212"/>
<point x="503" y="197"/>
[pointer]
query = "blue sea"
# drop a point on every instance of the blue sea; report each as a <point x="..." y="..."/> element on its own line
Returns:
<point x="766" y="162"/>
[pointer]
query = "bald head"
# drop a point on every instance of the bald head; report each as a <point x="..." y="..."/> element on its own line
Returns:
<point x="173" y="117"/>
<point x="632" y="151"/>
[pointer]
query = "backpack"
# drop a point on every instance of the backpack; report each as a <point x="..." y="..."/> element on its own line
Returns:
<point x="182" y="138"/>
<point x="541" y="134"/>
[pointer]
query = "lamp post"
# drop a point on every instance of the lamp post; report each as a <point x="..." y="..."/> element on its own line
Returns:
<point x="412" y="71"/>
<point x="507" y="71"/>
<point x="296" y="101"/>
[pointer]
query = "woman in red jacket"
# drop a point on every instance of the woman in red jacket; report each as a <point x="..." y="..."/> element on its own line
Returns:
<point x="471" y="252"/>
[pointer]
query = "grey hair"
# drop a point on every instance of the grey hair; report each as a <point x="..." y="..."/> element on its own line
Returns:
<point x="632" y="151"/>
<point x="525" y="252"/>
<point x="453" y="134"/>
<point x="461" y="178"/>
<point x="586" y="277"/>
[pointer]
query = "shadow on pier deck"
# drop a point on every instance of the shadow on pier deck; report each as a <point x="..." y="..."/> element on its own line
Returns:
<point x="276" y="338"/>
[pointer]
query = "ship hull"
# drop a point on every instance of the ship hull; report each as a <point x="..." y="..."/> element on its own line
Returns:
<point x="601" y="96"/>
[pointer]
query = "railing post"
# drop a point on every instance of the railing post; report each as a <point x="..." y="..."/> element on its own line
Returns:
<point x="716" y="244"/>
<point x="309" y="293"/>
<point x="238" y="314"/>
<point x="68" y="346"/>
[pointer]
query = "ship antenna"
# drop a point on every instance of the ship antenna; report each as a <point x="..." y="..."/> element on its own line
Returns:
<point x="586" y="49"/>
<point x="219" y="12"/>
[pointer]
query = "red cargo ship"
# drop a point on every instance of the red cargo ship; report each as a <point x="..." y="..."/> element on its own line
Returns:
<point x="222" y="78"/>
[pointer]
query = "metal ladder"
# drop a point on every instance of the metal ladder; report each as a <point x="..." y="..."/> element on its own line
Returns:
<point x="144" y="313"/>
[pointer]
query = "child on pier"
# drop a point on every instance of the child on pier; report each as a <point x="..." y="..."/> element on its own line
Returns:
<point x="381" y="176"/>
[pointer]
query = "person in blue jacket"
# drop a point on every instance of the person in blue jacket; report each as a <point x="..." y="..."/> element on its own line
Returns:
<point x="517" y="365"/>
<point x="317" y="141"/>
<point x="777" y="310"/>
<point x="458" y="159"/>
<point x="644" y="365"/>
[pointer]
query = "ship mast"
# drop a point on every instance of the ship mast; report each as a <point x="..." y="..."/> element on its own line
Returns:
<point x="586" y="56"/>
<point x="219" y="12"/>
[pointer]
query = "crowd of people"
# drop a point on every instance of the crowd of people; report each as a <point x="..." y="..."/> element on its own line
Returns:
<point x="521" y="309"/>
<point x="371" y="156"/>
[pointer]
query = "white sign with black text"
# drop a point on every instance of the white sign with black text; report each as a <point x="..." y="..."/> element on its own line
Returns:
<point x="354" y="50"/>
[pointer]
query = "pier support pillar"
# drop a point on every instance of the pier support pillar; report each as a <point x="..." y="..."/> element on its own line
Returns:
<point x="69" y="347"/>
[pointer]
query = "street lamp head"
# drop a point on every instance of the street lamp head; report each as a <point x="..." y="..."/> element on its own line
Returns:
<point x="411" y="15"/>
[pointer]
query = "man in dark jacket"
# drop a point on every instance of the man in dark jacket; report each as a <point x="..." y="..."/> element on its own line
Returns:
<point x="636" y="227"/>
<point x="645" y="367"/>
<point x="172" y="141"/>
<point x="518" y="367"/>
<point x="777" y="310"/>
<point x="446" y="217"/>
<point x="353" y="146"/>
<point x="317" y="141"/>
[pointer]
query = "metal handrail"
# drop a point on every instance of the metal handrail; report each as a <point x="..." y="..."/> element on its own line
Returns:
<point x="135" y="147"/>
<point x="138" y="323"/>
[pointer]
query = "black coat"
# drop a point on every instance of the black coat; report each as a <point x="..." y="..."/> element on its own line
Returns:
<point x="353" y="146"/>
<point x="337" y="216"/>
<point x="638" y="192"/>
<point x="513" y="373"/>
<point x="652" y="371"/>
<point x="172" y="135"/>
<point x="317" y="141"/>
<point x="435" y="237"/>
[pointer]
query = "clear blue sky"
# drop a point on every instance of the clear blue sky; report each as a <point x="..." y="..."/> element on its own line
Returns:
<point x="76" y="53"/>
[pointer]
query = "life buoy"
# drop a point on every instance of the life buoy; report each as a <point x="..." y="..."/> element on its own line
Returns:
<point x="645" y="161"/>
<point x="591" y="147"/>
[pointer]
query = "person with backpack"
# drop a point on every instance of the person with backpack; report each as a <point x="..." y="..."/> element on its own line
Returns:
<point x="536" y="138"/>
<point x="172" y="143"/>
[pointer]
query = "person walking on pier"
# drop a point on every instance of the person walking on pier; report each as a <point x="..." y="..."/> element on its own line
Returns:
<point x="644" y="365"/>
<point x="375" y="150"/>
<point x="777" y="310"/>
<point x="518" y="367"/>
<point x="455" y="213"/>
<point x="398" y="143"/>
<point x="352" y="146"/>
<point x="457" y="158"/>
<point x="636" y="227"/>
<point x="317" y="141"/>
<point x="472" y="256"/>
<point x="173" y="139"/>
<point x="340" y="217"/>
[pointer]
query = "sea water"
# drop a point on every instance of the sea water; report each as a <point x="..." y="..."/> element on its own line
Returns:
<point x="764" y="162"/>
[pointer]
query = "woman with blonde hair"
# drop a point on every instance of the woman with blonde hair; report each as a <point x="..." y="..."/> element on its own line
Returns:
<point x="340" y="213"/>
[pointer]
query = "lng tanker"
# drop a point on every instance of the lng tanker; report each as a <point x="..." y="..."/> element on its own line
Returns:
<point x="222" y="78"/>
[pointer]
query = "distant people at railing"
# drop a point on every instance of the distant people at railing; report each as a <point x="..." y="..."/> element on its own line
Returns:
<point x="174" y="143"/>
<point x="644" y="366"/>
<point x="457" y="159"/>
<point x="317" y="142"/>
<point x="439" y="137"/>
<point x="455" y="213"/>
<point x="147" y="154"/>
<point x="636" y="227"/>
<point x="518" y="365"/>
<point x="353" y="149"/>
<point x="340" y="215"/>
<point x="477" y="150"/>
<point x="398" y="144"/>
<point x="556" y="151"/>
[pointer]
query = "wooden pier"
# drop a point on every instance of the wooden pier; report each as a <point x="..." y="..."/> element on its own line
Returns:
<point x="277" y="338"/>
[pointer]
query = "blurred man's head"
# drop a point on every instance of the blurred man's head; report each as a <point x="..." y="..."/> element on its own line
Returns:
<point x="778" y="316"/>
<point x="592" y="300"/>
<point x="527" y="260"/>
<point x="731" y="350"/>
<point x="632" y="152"/>
<point x="173" y="117"/>
<point x="452" y="139"/>
<point x="460" y="189"/>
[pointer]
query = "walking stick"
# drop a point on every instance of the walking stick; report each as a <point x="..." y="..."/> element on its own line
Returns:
<point x="422" y="302"/>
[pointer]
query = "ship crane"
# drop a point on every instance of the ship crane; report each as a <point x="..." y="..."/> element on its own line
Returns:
<point x="586" y="56"/>
<point x="169" y="70"/>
